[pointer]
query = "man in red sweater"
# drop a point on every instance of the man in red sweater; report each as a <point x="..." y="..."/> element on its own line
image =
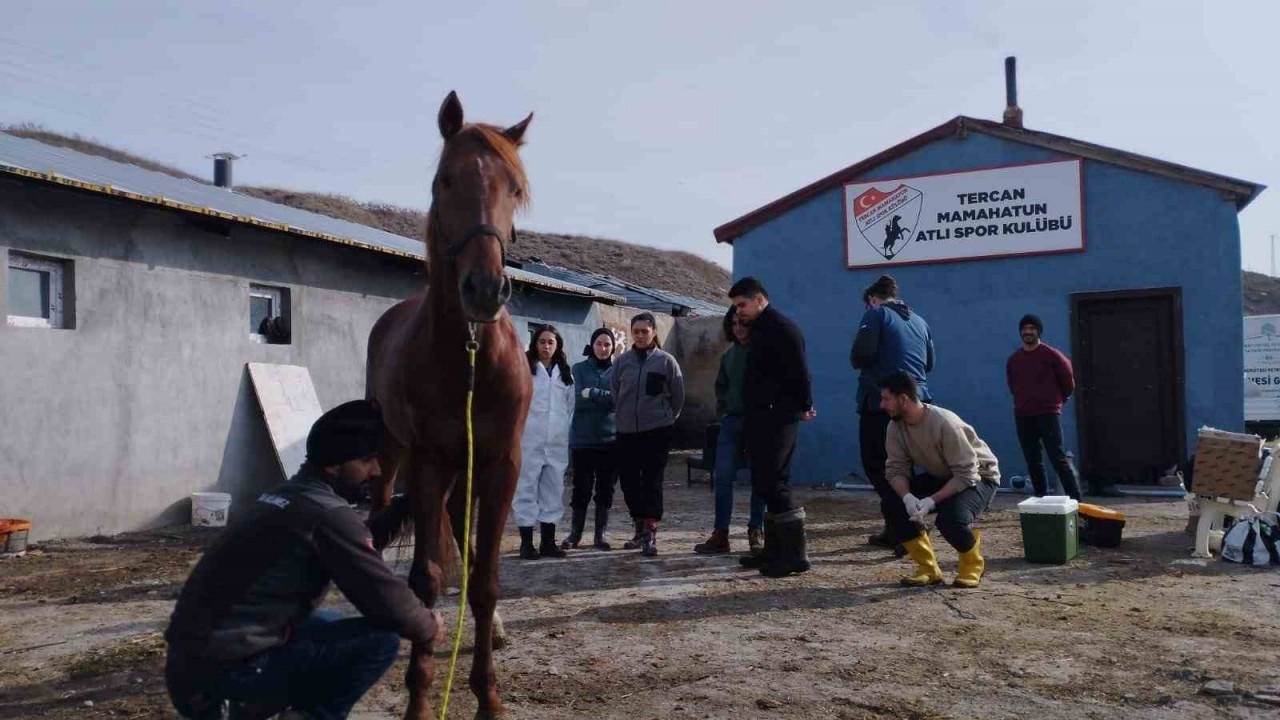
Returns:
<point x="1041" y="380"/>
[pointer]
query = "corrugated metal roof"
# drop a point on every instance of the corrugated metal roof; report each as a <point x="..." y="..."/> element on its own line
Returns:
<point x="644" y="298"/>
<point x="63" y="166"/>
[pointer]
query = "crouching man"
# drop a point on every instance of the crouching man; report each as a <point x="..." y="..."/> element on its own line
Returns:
<point x="959" y="480"/>
<point x="244" y="632"/>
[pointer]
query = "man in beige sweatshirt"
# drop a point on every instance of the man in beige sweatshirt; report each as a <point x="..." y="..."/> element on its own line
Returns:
<point x="959" y="480"/>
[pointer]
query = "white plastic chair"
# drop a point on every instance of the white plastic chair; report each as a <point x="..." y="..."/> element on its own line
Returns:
<point x="1215" y="510"/>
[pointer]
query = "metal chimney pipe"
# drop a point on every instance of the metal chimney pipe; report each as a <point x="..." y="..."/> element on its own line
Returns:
<point x="222" y="172"/>
<point x="222" y="168"/>
<point x="1012" y="113"/>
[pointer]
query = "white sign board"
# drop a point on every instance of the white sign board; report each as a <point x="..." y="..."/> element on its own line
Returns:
<point x="998" y="212"/>
<point x="1262" y="367"/>
<point x="289" y="406"/>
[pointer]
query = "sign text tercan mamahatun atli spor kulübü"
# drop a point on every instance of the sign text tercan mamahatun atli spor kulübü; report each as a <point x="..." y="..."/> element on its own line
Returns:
<point x="997" y="212"/>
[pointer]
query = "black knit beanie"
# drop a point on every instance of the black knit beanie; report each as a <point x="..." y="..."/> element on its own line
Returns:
<point x="1030" y="319"/>
<point x="351" y="431"/>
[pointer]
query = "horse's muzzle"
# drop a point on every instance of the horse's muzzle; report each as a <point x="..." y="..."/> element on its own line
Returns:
<point x="484" y="294"/>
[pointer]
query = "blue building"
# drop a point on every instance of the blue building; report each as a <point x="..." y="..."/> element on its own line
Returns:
<point x="1132" y="263"/>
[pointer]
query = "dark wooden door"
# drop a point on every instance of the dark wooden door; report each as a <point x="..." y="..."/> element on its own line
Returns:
<point x="1127" y="351"/>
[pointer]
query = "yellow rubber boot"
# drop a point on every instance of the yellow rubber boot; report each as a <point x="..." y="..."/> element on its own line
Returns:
<point x="927" y="570"/>
<point x="969" y="574"/>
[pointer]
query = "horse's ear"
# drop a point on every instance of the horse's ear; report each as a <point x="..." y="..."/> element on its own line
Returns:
<point x="450" y="117"/>
<point x="515" y="133"/>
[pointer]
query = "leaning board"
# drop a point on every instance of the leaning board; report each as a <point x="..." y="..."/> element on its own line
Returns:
<point x="290" y="407"/>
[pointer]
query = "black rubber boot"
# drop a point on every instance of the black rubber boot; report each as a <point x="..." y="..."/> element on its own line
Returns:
<point x="575" y="532"/>
<point x="549" y="548"/>
<point x="770" y="544"/>
<point x="634" y="543"/>
<point x="602" y="524"/>
<point x="791" y="556"/>
<point x="649" y="542"/>
<point x="527" y="550"/>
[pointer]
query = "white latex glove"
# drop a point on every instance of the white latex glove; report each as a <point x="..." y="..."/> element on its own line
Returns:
<point x="923" y="508"/>
<point x="912" y="503"/>
<point x="586" y="393"/>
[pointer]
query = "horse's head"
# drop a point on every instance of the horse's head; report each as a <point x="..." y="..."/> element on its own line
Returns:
<point x="478" y="187"/>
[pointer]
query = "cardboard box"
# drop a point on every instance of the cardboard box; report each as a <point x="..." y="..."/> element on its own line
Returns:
<point x="1227" y="464"/>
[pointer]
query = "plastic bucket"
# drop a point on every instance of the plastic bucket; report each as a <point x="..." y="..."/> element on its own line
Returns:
<point x="209" y="509"/>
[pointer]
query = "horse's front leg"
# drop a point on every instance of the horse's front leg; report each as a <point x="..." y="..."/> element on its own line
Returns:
<point x="499" y="482"/>
<point x="383" y="487"/>
<point x="457" y="503"/>
<point x="426" y="490"/>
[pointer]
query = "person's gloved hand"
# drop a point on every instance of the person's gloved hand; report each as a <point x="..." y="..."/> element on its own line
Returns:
<point x="586" y="393"/>
<point x="923" y="508"/>
<point x="912" y="503"/>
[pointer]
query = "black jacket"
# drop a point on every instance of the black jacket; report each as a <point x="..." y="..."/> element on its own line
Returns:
<point x="263" y="577"/>
<point x="777" y="374"/>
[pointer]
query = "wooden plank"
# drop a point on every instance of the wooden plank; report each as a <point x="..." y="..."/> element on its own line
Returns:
<point x="289" y="406"/>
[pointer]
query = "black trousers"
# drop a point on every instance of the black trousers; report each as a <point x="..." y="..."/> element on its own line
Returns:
<point x="1037" y="430"/>
<point x="642" y="458"/>
<point x="770" y="439"/>
<point x="872" y="429"/>
<point x="594" y="469"/>
<point x="956" y="514"/>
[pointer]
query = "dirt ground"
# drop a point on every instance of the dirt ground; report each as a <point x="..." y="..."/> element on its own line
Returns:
<point x="1139" y="631"/>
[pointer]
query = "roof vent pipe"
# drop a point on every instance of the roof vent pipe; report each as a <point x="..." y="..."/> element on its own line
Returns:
<point x="222" y="168"/>
<point x="1012" y="113"/>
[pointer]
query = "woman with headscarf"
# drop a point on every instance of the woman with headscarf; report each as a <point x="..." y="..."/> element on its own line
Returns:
<point x="591" y="439"/>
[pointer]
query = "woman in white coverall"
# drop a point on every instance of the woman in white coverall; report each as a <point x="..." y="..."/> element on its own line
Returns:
<point x="545" y="445"/>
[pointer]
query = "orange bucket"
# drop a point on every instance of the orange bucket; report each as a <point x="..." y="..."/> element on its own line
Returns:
<point x="13" y="535"/>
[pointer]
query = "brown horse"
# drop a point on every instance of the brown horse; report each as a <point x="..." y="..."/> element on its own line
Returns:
<point x="417" y="373"/>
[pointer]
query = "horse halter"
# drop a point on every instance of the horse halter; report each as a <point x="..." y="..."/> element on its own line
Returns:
<point x="482" y="230"/>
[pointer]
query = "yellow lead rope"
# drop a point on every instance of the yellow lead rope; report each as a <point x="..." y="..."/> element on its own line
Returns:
<point x="472" y="346"/>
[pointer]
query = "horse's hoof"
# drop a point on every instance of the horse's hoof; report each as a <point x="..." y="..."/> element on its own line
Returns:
<point x="499" y="641"/>
<point x="491" y="713"/>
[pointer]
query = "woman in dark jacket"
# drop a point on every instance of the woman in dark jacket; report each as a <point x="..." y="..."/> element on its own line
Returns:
<point x="591" y="439"/>
<point x="648" y="394"/>
<point x="729" y="408"/>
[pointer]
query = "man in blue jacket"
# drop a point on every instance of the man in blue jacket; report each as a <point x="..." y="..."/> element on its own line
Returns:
<point x="891" y="338"/>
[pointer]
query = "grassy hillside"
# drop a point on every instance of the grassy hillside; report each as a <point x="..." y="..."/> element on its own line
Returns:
<point x="1261" y="294"/>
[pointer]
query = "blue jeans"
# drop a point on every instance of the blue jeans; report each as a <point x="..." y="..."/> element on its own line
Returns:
<point x="324" y="669"/>
<point x="728" y="443"/>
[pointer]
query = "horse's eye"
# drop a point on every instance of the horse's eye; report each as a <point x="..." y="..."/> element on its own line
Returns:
<point x="516" y="192"/>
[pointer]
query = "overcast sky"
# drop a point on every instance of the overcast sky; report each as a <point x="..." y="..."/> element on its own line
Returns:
<point x="654" y="121"/>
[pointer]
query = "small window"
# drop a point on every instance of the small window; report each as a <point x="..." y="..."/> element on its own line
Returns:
<point x="269" y="314"/>
<point x="38" y="291"/>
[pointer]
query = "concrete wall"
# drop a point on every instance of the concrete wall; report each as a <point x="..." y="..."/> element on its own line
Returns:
<point x="111" y="425"/>
<point x="1141" y="231"/>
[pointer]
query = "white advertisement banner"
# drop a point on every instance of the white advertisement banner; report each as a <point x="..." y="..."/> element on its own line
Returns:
<point x="997" y="212"/>
<point x="1262" y="367"/>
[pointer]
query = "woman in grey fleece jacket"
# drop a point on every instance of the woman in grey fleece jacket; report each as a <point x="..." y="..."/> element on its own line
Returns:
<point x="648" y="394"/>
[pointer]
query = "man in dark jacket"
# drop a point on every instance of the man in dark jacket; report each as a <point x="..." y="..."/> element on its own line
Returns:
<point x="244" y="631"/>
<point x="891" y="338"/>
<point x="776" y="396"/>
